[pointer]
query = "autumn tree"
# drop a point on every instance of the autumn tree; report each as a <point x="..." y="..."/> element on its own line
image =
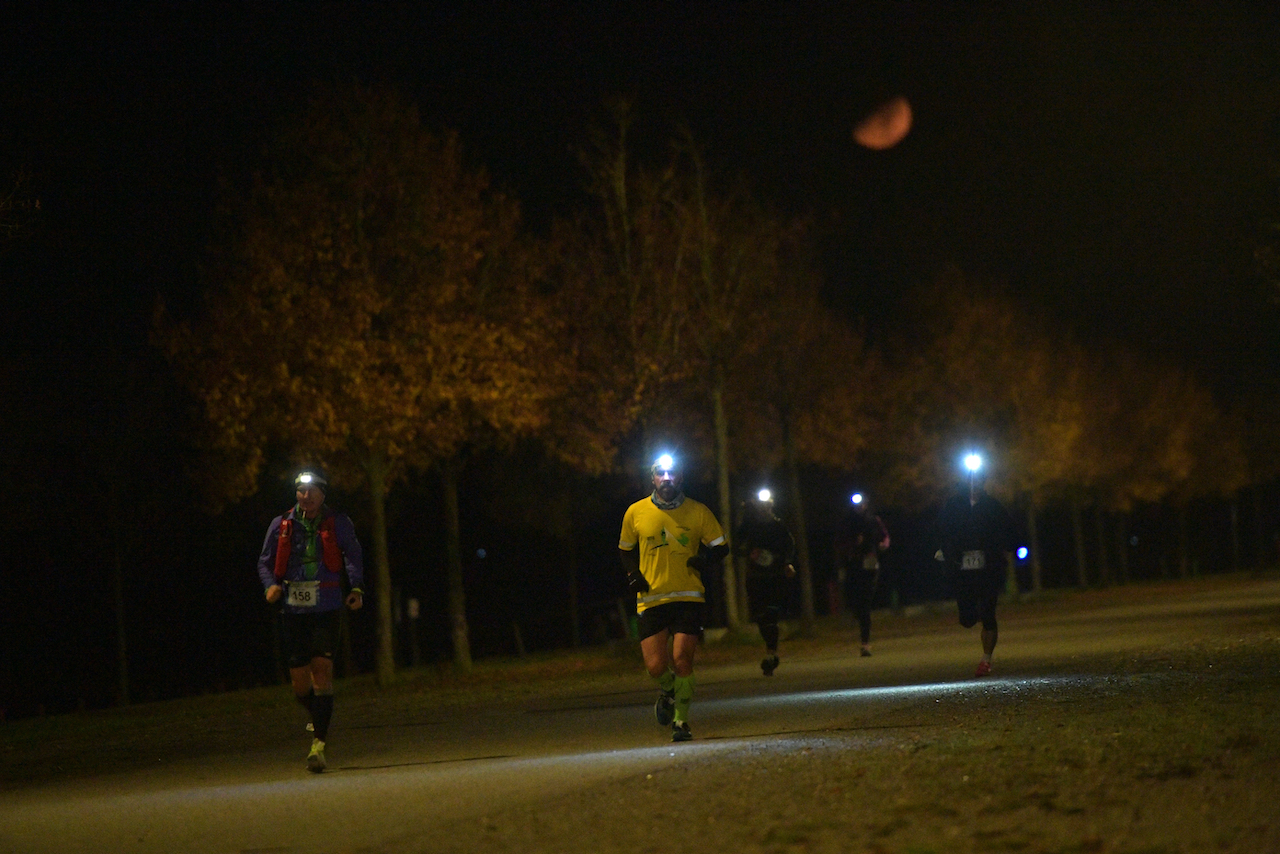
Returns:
<point x="680" y="274"/>
<point x="955" y="382"/>
<point x="373" y="309"/>
<point x="1257" y="416"/>
<point x="984" y="372"/>
<point x="1101" y="428"/>
<point x="1167" y="437"/>
<point x="805" y="393"/>
<point x="633" y="272"/>
<point x="745" y="256"/>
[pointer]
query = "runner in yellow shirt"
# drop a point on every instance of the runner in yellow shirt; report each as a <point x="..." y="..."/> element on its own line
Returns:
<point x="667" y="540"/>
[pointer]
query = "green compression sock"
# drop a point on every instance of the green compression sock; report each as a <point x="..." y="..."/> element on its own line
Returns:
<point x="684" y="696"/>
<point x="666" y="681"/>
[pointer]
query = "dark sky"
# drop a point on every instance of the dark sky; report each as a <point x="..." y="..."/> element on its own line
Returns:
<point x="1111" y="167"/>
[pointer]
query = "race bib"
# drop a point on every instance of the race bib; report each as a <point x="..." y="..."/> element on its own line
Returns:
<point x="762" y="557"/>
<point x="304" y="594"/>
<point x="973" y="560"/>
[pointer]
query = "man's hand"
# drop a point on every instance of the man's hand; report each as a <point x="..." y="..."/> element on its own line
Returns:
<point x="790" y="570"/>
<point x="355" y="599"/>
<point x="274" y="592"/>
<point x="707" y="556"/>
<point x="636" y="582"/>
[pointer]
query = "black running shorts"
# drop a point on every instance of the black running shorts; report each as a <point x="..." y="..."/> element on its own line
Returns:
<point x="307" y="636"/>
<point x="682" y="618"/>
<point x="977" y="591"/>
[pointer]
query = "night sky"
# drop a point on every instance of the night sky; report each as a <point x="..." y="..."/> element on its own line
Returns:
<point x="1110" y="169"/>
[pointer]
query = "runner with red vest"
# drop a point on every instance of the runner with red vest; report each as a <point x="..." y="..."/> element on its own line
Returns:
<point x="304" y="557"/>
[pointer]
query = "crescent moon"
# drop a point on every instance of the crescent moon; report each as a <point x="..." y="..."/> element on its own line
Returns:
<point x="886" y="126"/>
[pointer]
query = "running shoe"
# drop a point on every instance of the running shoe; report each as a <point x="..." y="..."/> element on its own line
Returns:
<point x="769" y="665"/>
<point x="315" y="759"/>
<point x="665" y="709"/>
<point x="680" y="731"/>
<point x="984" y="668"/>
<point x="866" y="652"/>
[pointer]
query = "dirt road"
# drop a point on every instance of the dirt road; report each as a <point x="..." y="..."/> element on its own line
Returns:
<point x="1136" y="720"/>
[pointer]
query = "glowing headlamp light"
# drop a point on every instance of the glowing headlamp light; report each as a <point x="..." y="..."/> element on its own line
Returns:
<point x="664" y="463"/>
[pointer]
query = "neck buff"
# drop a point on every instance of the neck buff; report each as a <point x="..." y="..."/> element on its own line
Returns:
<point x="672" y="505"/>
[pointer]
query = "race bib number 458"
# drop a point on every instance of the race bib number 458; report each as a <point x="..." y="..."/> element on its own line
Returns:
<point x="304" y="594"/>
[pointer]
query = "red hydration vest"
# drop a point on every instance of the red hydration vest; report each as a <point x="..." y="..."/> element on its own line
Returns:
<point x="329" y="551"/>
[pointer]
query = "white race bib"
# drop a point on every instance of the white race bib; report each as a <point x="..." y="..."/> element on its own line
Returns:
<point x="973" y="560"/>
<point x="304" y="594"/>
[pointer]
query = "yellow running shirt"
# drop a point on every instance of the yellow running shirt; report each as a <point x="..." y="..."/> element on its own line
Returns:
<point x="667" y="539"/>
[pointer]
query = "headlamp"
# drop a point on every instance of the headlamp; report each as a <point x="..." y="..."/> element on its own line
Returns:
<point x="310" y="478"/>
<point x="664" y="463"/>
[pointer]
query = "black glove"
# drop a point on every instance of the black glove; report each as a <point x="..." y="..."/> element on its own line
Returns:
<point x="636" y="582"/>
<point x="706" y="556"/>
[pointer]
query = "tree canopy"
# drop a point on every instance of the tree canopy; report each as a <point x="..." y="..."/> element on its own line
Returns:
<point x="375" y="307"/>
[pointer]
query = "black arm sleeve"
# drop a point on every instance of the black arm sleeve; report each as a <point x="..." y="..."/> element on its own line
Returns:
<point x="707" y="556"/>
<point x="631" y="565"/>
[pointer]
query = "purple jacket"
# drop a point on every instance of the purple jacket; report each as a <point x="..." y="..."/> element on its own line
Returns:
<point x="329" y="593"/>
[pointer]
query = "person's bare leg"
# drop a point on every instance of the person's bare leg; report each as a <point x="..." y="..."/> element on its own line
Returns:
<point x="656" y="650"/>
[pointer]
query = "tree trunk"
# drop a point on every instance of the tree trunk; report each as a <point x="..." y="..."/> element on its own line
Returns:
<point x="1104" y="564"/>
<point x="122" y="644"/>
<point x="560" y="506"/>
<point x="1261" y="548"/>
<point x="740" y="570"/>
<point x="1184" y="545"/>
<point x="1122" y="548"/>
<point x="453" y="546"/>
<point x="805" y="571"/>
<point x="1077" y="531"/>
<point x="1033" y="535"/>
<point x="376" y="469"/>
<point x="1235" y="532"/>
<point x="732" y="613"/>
<point x="571" y="560"/>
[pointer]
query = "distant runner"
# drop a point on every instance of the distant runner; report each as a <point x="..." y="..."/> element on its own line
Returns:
<point x="860" y="540"/>
<point x="768" y="550"/>
<point x="977" y="537"/>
